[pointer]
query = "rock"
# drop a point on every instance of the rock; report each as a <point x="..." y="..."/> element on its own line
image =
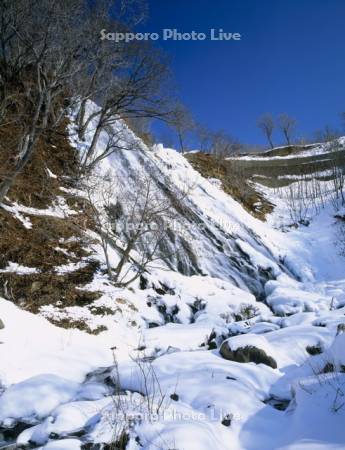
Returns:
<point x="8" y="436"/>
<point x="329" y="367"/>
<point x="2" y="325"/>
<point x="247" y="354"/>
<point x="227" y="420"/>
<point x="340" y="328"/>
<point x="280" y="404"/>
<point x="212" y="345"/>
<point x="314" y="349"/>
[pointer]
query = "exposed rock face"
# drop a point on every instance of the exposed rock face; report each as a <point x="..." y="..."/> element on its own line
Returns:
<point x="247" y="354"/>
<point x="2" y="325"/>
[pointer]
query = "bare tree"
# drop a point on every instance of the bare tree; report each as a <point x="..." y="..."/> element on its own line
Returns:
<point x="287" y="125"/>
<point x="135" y="91"/>
<point x="327" y="134"/>
<point x="182" y="122"/>
<point x="41" y="51"/>
<point x="105" y="58"/>
<point x="338" y="174"/>
<point x="266" y="125"/>
<point x="48" y="56"/>
<point x="224" y="145"/>
<point x="204" y="137"/>
<point x="305" y="195"/>
<point x="141" y="126"/>
<point x="116" y="140"/>
<point x="298" y="202"/>
<point x="137" y="229"/>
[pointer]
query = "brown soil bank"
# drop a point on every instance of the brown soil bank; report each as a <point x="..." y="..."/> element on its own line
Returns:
<point x="48" y="242"/>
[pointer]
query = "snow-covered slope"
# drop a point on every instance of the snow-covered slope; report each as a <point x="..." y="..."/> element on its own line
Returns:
<point x="222" y="237"/>
<point x="297" y="151"/>
<point x="226" y="344"/>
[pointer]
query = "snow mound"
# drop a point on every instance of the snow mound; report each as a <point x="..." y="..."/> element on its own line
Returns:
<point x="35" y="398"/>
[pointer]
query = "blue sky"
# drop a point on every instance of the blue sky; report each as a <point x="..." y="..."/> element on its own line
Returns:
<point x="291" y="58"/>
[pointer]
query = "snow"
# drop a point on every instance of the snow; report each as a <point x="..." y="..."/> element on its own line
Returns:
<point x="278" y="343"/>
<point x="59" y="209"/>
<point x="50" y="173"/>
<point x="66" y="420"/>
<point x="41" y="347"/>
<point x="250" y="283"/>
<point x="65" y="444"/>
<point x="70" y="267"/>
<point x="335" y="353"/>
<point x="18" y="269"/>
<point x="316" y="401"/>
<point x="35" y="398"/>
<point x="311" y="150"/>
<point x="179" y="337"/>
<point x="17" y="214"/>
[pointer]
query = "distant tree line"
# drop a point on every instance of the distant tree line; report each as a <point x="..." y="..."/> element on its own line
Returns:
<point x="284" y="123"/>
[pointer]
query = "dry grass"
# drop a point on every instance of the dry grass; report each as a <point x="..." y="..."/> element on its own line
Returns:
<point x="51" y="241"/>
<point x="233" y="183"/>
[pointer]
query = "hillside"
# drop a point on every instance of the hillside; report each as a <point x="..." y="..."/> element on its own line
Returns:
<point x="234" y="329"/>
<point x="277" y="167"/>
<point x="45" y="255"/>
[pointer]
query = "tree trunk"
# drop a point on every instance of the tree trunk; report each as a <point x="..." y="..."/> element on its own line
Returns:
<point x="27" y="151"/>
<point x="119" y="267"/>
<point x="80" y="120"/>
<point x="124" y="258"/>
<point x="93" y="145"/>
<point x="28" y="146"/>
<point x="106" y="255"/>
<point x="5" y="187"/>
<point x="181" y="142"/>
<point x="47" y="107"/>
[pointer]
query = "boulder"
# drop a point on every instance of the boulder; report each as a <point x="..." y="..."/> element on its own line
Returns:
<point x="2" y="325"/>
<point x="246" y="354"/>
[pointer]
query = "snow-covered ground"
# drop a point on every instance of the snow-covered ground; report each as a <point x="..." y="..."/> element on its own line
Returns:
<point x="302" y="151"/>
<point x="172" y="368"/>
